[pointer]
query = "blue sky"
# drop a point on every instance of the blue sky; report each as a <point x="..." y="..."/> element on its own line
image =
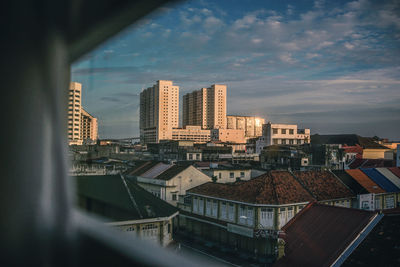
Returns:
<point x="332" y="66"/>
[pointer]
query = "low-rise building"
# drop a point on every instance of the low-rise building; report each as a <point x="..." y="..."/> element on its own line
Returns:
<point x="228" y="135"/>
<point x="282" y="134"/>
<point x="248" y="215"/>
<point x="167" y="181"/>
<point x="126" y="206"/>
<point x="192" y="133"/>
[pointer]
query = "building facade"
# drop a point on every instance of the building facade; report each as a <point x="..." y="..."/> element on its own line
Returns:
<point x="282" y="134"/>
<point x="159" y="112"/>
<point x="206" y="107"/>
<point x="251" y="125"/>
<point x="193" y="133"/>
<point x="228" y="136"/>
<point x="89" y="127"/>
<point x="74" y="113"/>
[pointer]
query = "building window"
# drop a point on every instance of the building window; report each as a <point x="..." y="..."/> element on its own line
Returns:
<point x="214" y="211"/>
<point x="290" y="213"/>
<point x="231" y="175"/>
<point x="291" y="131"/>
<point x="231" y="212"/>
<point x="267" y="217"/>
<point x="174" y="197"/>
<point x="149" y="230"/>
<point x="195" y="205"/>
<point x="241" y="174"/>
<point x="219" y="175"/>
<point x="274" y="131"/>
<point x="190" y="156"/>
<point x="250" y="216"/>
<point x="223" y="211"/>
<point x="275" y="141"/>
<point x="208" y="207"/>
<point x="242" y="214"/>
<point x="283" y="131"/>
<point x="282" y="217"/>
<point x="283" y="142"/>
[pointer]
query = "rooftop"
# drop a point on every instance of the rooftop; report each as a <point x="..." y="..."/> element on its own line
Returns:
<point x="318" y="234"/>
<point x="365" y="181"/>
<point x="130" y="202"/>
<point x="274" y="188"/>
<point x="323" y="185"/>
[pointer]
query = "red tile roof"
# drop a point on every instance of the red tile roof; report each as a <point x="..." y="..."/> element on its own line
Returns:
<point x="276" y="187"/>
<point x="353" y="149"/>
<point x="323" y="185"/>
<point x="365" y="181"/>
<point x="320" y="233"/>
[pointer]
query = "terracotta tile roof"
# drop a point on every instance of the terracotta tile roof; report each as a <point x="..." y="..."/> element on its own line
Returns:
<point x="276" y="187"/>
<point x="320" y="233"/>
<point x="353" y="149"/>
<point x="323" y="185"/>
<point x="365" y="181"/>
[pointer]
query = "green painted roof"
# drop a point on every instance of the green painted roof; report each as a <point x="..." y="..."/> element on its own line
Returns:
<point x="111" y="191"/>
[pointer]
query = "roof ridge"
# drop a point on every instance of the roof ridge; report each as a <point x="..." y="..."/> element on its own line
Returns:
<point x="131" y="197"/>
<point x="305" y="187"/>
<point x="274" y="187"/>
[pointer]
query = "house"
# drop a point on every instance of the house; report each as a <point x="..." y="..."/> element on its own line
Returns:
<point x="167" y="181"/>
<point x="126" y="206"/>
<point x="232" y="173"/>
<point x="322" y="235"/>
<point x="246" y="215"/>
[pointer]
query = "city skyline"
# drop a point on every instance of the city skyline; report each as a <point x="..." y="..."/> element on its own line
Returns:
<point x="331" y="67"/>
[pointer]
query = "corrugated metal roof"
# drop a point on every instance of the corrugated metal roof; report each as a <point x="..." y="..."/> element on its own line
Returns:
<point x="390" y="176"/>
<point x="320" y="233"/>
<point x="365" y="181"/>
<point x="396" y="171"/>
<point x="381" y="180"/>
<point x="350" y="182"/>
<point x="156" y="170"/>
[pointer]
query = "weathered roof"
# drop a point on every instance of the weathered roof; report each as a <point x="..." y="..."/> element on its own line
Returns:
<point x="142" y="167"/>
<point x="347" y="139"/>
<point x="323" y="185"/>
<point x="371" y="163"/>
<point x="171" y="172"/>
<point x="112" y="192"/>
<point x="395" y="170"/>
<point x="365" y="181"/>
<point x="390" y="176"/>
<point x="381" y="246"/>
<point x="381" y="180"/>
<point x="320" y="233"/>
<point x="275" y="187"/>
<point x="350" y="182"/>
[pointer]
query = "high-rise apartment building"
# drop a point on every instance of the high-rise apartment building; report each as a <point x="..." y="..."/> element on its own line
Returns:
<point x="250" y="124"/>
<point x="74" y="113"/>
<point x="159" y="112"/>
<point x="89" y="127"/>
<point x="206" y="107"/>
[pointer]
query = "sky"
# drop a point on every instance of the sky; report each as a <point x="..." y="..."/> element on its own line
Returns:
<point x="331" y="66"/>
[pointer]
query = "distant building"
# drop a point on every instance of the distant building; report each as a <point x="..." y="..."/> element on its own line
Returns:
<point x="167" y="181"/>
<point x="231" y="174"/>
<point x="206" y="107"/>
<point x="74" y="113"/>
<point x="228" y="135"/>
<point x="282" y="134"/>
<point x="159" y="112"/>
<point x="192" y="133"/>
<point x="126" y="206"/>
<point x="89" y="127"/>
<point x="251" y="125"/>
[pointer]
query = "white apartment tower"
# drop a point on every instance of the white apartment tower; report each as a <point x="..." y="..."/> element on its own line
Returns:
<point x="89" y="127"/>
<point x="206" y="107"/>
<point x="159" y="112"/>
<point x="74" y="113"/>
